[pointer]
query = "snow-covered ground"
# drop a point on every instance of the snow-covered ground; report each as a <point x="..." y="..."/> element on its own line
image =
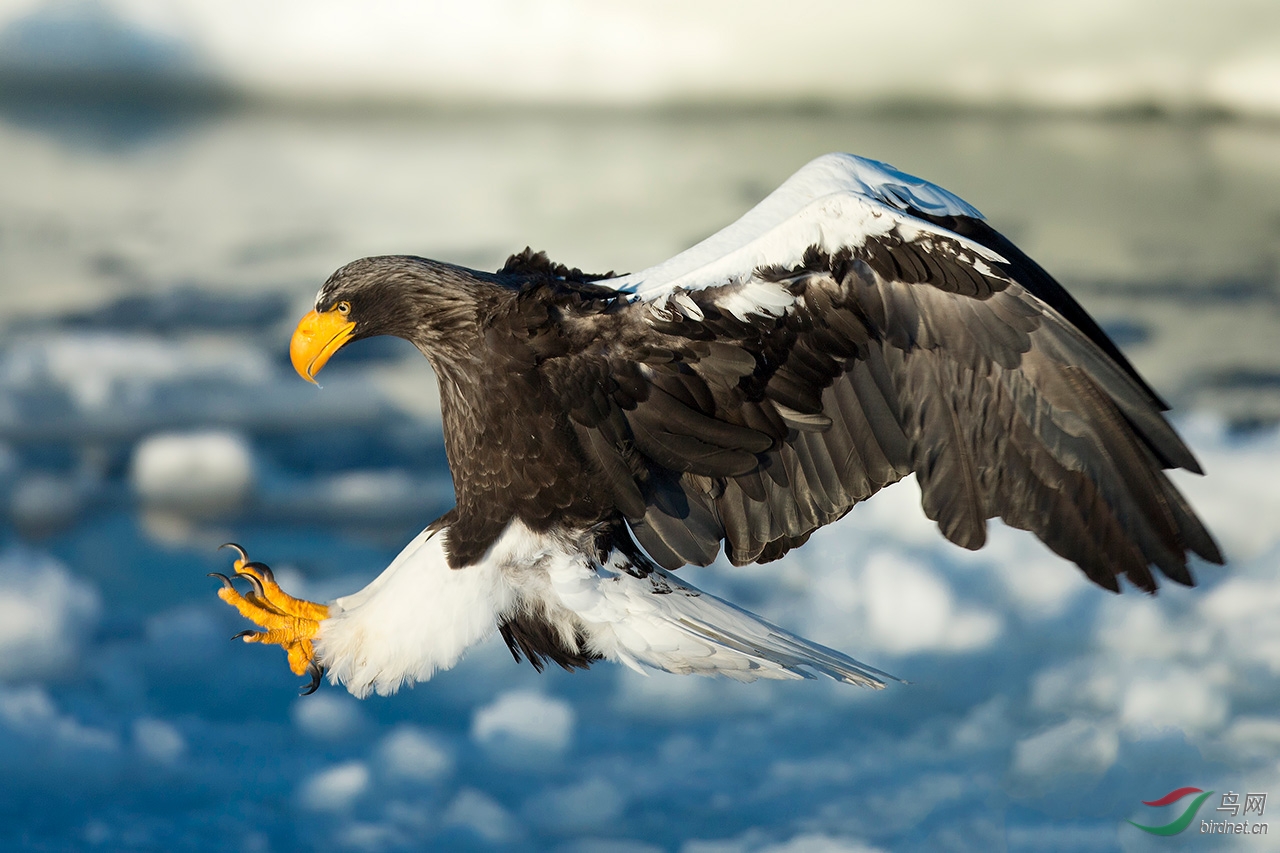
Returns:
<point x="152" y="268"/>
<point x="1177" y="55"/>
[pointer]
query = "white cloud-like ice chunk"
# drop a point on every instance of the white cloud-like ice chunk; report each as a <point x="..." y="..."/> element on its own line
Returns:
<point x="910" y="608"/>
<point x="481" y="814"/>
<point x="896" y="512"/>
<point x="1176" y="661"/>
<point x="1076" y="746"/>
<point x="1237" y="504"/>
<point x="808" y="842"/>
<point x="608" y="845"/>
<point x="817" y="843"/>
<point x="1039" y="582"/>
<point x="1178" y="699"/>
<point x="336" y="788"/>
<point x="158" y="740"/>
<point x="358" y="489"/>
<point x="656" y="696"/>
<point x="1242" y="618"/>
<point x="45" y="613"/>
<point x="31" y="713"/>
<point x="1249" y="83"/>
<point x="1253" y="737"/>
<point x="409" y="752"/>
<point x="592" y="804"/>
<point x="327" y="716"/>
<point x="42" y="503"/>
<point x="985" y="725"/>
<point x="361" y="835"/>
<point x="524" y="720"/>
<point x="1139" y="629"/>
<point x="208" y="471"/>
<point x="1082" y="684"/>
<point x="99" y="369"/>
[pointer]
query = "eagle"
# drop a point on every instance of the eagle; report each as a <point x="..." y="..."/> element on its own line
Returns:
<point x="858" y="326"/>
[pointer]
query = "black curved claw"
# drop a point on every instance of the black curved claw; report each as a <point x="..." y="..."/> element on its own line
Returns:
<point x="226" y="581"/>
<point x="256" y="584"/>
<point x="262" y="569"/>
<point x="243" y="555"/>
<point x="243" y="634"/>
<point x="317" y="673"/>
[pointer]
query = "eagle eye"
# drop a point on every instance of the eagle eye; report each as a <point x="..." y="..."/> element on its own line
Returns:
<point x="343" y="308"/>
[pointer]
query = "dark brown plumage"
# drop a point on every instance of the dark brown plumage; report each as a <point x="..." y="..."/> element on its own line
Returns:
<point x="569" y="404"/>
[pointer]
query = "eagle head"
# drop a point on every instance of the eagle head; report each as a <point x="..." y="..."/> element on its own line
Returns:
<point x="427" y="303"/>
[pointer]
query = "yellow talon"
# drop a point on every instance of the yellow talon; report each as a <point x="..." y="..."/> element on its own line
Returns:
<point x="290" y="622"/>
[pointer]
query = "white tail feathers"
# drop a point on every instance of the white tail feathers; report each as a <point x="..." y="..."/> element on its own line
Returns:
<point x="660" y="622"/>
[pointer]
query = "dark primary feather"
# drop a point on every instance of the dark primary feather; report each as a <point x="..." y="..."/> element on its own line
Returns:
<point x="1044" y="286"/>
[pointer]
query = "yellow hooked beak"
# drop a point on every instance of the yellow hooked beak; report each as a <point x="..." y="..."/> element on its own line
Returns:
<point x="316" y="339"/>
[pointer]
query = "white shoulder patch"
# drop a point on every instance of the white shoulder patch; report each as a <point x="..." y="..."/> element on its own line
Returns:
<point x="755" y="296"/>
<point x="899" y="189"/>
<point x="837" y="200"/>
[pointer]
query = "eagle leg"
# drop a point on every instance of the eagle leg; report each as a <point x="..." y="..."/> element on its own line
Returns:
<point x="289" y="622"/>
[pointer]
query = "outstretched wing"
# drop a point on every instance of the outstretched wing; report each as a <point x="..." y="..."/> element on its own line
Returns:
<point x="860" y="325"/>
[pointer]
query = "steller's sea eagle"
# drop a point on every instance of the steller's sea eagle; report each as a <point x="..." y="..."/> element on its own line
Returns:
<point x="857" y="326"/>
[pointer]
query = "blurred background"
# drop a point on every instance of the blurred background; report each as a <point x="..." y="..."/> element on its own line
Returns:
<point x="178" y="178"/>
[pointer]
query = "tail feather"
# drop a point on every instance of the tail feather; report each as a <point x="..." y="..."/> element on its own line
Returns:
<point x="772" y="652"/>
<point x="645" y="617"/>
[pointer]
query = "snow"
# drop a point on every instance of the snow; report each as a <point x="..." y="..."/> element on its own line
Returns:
<point x="158" y="740"/>
<point x="101" y="370"/>
<point x="1249" y="83"/>
<point x="521" y="721"/>
<point x="29" y="717"/>
<point x="804" y="843"/>
<point x="1092" y="56"/>
<point x="591" y="805"/>
<point x="335" y="788"/>
<point x="1092" y="705"/>
<point x="1239" y="506"/>
<point x="335" y="717"/>
<point x="609" y="845"/>
<point x="818" y="843"/>
<point x="45" y="615"/>
<point x="409" y="752"/>
<point x="910" y="608"/>
<point x="1178" y="699"/>
<point x="41" y="503"/>
<point x="203" y="472"/>
<point x="481" y="814"/>
<point x="1075" y="746"/>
